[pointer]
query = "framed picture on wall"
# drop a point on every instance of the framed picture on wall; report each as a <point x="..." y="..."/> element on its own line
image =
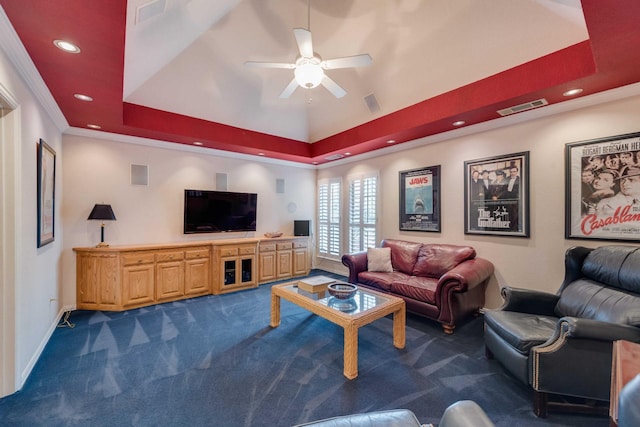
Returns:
<point x="46" y="193"/>
<point x="602" y="185"/>
<point x="496" y="195"/>
<point x="420" y="199"/>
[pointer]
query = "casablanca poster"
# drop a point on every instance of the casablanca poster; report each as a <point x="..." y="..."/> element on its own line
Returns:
<point x="497" y="195"/>
<point x="603" y="188"/>
<point x="420" y="199"/>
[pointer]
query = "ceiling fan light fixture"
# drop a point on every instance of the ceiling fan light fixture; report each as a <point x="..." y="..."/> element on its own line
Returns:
<point x="308" y="73"/>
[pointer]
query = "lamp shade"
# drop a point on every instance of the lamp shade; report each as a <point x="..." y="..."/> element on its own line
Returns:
<point x="102" y="212"/>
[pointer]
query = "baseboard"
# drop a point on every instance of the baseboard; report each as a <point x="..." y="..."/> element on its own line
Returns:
<point x="24" y="375"/>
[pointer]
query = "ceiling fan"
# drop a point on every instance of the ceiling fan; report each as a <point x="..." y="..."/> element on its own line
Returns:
<point x="309" y="66"/>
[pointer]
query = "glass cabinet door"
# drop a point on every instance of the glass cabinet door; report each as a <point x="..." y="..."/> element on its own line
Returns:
<point x="247" y="270"/>
<point x="230" y="272"/>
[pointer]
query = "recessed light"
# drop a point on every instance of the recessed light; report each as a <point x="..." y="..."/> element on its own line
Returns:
<point x="459" y="123"/>
<point x="572" y="92"/>
<point x="66" y="46"/>
<point x="347" y="153"/>
<point x="260" y="154"/>
<point x="197" y="143"/>
<point x="314" y="163"/>
<point x="391" y="141"/>
<point x="92" y="126"/>
<point x="82" y="97"/>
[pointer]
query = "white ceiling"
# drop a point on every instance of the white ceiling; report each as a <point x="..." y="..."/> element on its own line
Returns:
<point x="189" y="59"/>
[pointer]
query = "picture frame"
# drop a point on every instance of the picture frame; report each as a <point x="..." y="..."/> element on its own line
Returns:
<point x="602" y="188"/>
<point x="420" y="199"/>
<point x="46" y="193"/>
<point x="494" y="204"/>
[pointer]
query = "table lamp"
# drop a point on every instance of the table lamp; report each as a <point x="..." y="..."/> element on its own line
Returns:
<point x="103" y="213"/>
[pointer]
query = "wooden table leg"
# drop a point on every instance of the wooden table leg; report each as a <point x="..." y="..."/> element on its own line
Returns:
<point x="350" y="352"/>
<point x="275" y="310"/>
<point x="399" y="322"/>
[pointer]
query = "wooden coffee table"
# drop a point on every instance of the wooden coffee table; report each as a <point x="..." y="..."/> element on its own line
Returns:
<point x="363" y="309"/>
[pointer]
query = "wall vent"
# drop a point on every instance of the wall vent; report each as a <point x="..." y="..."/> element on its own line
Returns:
<point x="334" y="156"/>
<point x="523" y="107"/>
<point x="149" y="10"/>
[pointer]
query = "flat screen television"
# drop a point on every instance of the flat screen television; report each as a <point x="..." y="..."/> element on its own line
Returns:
<point x="219" y="211"/>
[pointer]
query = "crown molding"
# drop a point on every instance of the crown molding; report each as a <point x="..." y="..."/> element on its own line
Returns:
<point x="137" y="140"/>
<point x="21" y="60"/>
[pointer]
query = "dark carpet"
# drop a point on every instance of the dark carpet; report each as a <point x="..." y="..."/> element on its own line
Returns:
<point x="214" y="361"/>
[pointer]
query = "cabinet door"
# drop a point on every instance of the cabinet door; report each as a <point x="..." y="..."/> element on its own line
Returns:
<point x="237" y="273"/>
<point x="229" y="272"/>
<point x="284" y="264"/>
<point x="267" y="267"/>
<point x="138" y="284"/>
<point x="97" y="282"/>
<point x="169" y="280"/>
<point x="247" y="270"/>
<point x="196" y="276"/>
<point x="300" y="262"/>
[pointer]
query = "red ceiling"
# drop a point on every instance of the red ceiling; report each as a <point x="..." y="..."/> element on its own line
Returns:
<point x="608" y="60"/>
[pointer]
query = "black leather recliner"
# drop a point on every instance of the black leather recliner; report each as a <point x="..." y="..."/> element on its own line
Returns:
<point x="561" y="344"/>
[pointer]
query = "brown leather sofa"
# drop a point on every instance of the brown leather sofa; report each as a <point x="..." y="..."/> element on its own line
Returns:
<point x="445" y="283"/>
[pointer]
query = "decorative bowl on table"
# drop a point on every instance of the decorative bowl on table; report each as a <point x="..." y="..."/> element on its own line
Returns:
<point x="342" y="290"/>
<point x="273" y="234"/>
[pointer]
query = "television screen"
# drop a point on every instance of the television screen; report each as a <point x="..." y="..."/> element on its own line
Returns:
<point x="219" y="211"/>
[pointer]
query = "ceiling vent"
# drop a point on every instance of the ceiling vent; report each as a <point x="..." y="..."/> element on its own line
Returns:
<point x="149" y="10"/>
<point x="523" y="107"/>
<point x="372" y="103"/>
<point x="334" y="156"/>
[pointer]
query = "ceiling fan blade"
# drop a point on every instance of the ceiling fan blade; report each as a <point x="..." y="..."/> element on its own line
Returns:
<point x="347" y="62"/>
<point x="333" y="87"/>
<point x="255" y="64"/>
<point x="289" y="89"/>
<point x="303" y="38"/>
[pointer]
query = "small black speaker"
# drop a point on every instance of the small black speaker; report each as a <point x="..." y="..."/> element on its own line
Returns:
<point x="301" y="227"/>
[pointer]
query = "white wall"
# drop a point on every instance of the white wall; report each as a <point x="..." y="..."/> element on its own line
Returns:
<point x="35" y="290"/>
<point x="98" y="171"/>
<point x="536" y="262"/>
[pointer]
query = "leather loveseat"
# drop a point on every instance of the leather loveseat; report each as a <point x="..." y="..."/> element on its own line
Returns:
<point x="465" y="413"/>
<point x="561" y="344"/>
<point x="445" y="283"/>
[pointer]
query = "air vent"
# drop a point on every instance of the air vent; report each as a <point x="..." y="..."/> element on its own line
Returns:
<point x="149" y="10"/>
<point x="523" y="107"/>
<point x="334" y="156"/>
<point x="372" y="103"/>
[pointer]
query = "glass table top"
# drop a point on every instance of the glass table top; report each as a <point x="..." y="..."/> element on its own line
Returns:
<point x="361" y="301"/>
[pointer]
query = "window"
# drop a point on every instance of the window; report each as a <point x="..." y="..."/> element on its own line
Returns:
<point x="329" y="193"/>
<point x="363" y="212"/>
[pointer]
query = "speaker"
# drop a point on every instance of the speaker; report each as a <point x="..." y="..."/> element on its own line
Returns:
<point x="221" y="181"/>
<point x="301" y="227"/>
<point x="139" y="175"/>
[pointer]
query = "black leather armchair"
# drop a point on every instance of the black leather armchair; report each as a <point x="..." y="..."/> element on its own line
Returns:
<point x="561" y="344"/>
<point x="464" y="413"/>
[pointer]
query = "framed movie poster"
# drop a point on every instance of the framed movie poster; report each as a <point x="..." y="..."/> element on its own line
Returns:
<point x="496" y="195"/>
<point x="46" y="193"/>
<point x="420" y="199"/>
<point x="603" y="188"/>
